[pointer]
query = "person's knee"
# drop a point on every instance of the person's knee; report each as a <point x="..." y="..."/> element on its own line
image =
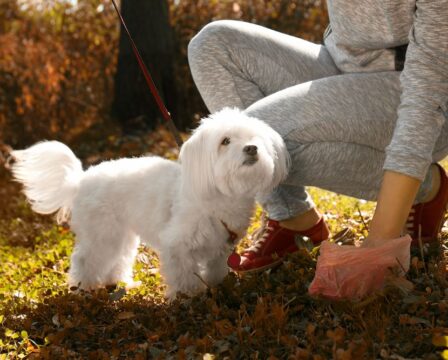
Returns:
<point x="211" y="38"/>
<point x="270" y="117"/>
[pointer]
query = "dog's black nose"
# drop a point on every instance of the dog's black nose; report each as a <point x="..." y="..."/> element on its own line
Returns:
<point x="250" y="149"/>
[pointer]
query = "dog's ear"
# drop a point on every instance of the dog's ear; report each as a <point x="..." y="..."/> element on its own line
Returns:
<point x="196" y="159"/>
<point x="282" y="159"/>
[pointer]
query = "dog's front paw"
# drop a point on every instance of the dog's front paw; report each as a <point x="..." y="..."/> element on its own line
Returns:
<point x="172" y="293"/>
<point x="188" y="285"/>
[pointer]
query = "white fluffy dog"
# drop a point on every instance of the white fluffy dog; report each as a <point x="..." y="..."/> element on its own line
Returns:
<point x="184" y="210"/>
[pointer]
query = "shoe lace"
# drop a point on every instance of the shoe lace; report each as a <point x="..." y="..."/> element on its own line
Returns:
<point x="412" y="226"/>
<point x="260" y="234"/>
<point x="409" y="226"/>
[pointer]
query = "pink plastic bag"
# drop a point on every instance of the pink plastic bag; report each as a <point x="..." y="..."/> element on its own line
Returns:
<point x="350" y="272"/>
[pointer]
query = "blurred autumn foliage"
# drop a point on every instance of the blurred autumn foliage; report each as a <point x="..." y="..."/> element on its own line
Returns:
<point x="56" y="68"/>
<point x="57" y="59"/>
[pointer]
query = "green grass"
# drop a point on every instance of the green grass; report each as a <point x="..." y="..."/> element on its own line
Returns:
<point x="268" y="315"/>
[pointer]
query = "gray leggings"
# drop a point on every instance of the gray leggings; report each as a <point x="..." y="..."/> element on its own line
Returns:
<point x="336" y="126"/>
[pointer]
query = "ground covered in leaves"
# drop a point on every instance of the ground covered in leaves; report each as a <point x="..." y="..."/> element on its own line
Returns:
<point x="263" y="316"/>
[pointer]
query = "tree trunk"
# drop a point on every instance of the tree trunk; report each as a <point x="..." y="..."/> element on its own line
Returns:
<point x="134" y="105"/>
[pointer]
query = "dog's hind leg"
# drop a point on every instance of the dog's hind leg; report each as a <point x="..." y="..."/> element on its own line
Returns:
<point x="122" y="271"/>
<point x="102" y="257"/>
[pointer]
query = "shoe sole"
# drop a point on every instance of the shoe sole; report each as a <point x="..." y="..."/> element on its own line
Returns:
<point x="272" y="264"/>
<point x="262" y="268"/>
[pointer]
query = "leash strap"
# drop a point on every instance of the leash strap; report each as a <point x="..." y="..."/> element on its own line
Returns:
<point x="149" y="81"/>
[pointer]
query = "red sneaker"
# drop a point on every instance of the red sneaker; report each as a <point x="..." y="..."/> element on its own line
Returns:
<point x="272" y="243"/>
<point x="425" y="220"/>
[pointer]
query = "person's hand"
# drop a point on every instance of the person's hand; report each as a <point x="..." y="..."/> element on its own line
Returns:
<point x="370" y="242"/>
<point x="350" y="272"/>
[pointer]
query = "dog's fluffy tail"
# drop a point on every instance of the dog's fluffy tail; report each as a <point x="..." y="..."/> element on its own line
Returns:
<point x="50" y="174"/>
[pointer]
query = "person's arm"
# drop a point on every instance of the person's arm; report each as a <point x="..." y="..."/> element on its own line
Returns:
<point x="424" y="98"/>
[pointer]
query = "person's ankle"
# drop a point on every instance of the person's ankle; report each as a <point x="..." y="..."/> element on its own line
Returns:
<point x="302" y="221"/>
<point x="435" y="185"/>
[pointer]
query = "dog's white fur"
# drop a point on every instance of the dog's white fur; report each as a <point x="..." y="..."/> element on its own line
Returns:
<point x="176" y="208"/>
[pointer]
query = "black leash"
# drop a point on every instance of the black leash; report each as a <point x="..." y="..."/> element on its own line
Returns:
<point x="149" y="81"/>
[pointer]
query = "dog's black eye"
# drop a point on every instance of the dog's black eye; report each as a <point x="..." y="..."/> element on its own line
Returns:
<point x="225" y="141"/>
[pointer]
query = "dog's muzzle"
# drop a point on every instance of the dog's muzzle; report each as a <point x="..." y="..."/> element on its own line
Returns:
<point x="251" y="152"/>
